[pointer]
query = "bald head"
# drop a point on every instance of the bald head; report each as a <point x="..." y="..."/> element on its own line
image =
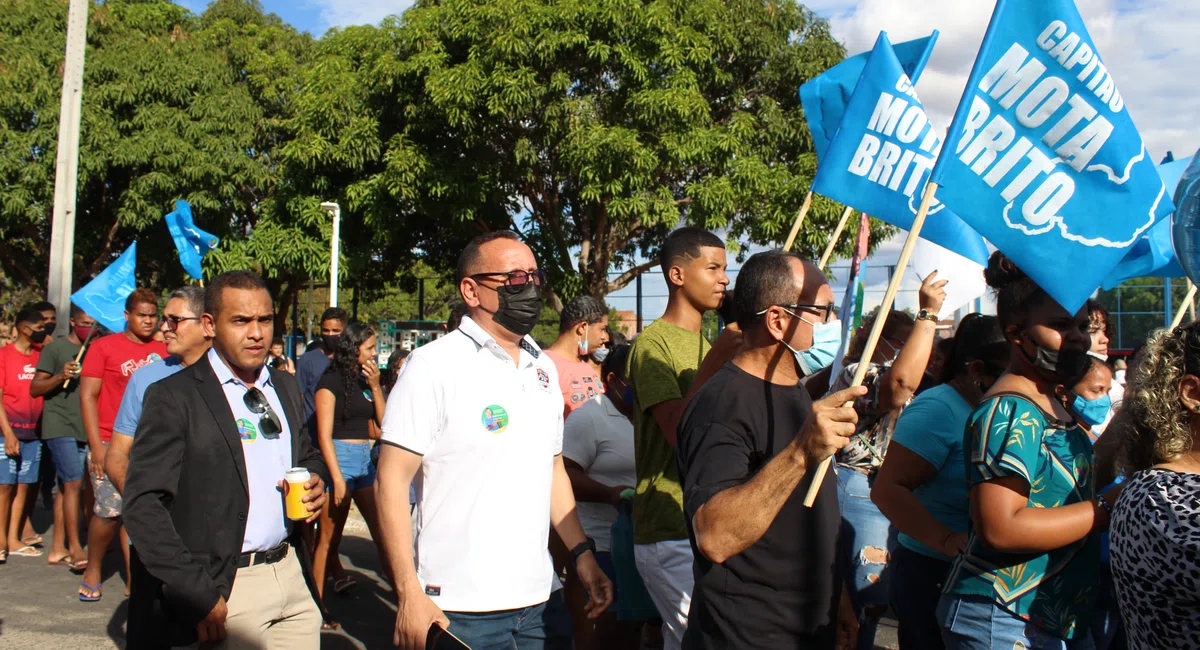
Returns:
<point x="777" y="278"/>
<point x="482" y="268"/>
<point x="472" y="260"/>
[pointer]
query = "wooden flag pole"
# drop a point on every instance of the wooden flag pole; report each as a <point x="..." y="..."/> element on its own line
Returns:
<point x="79" y="356"/>
<point x="833" y="240"/>
<point x="877" y="330"/>
<point x="1183" y="308"/>
<point x="787" y="246"/>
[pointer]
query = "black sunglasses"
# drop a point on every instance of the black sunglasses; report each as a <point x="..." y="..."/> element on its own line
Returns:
<point x="516" y="280"/>
<point x="172" y="322"/>
<point x="268" y="424"/>
<point x="826" y="311"/>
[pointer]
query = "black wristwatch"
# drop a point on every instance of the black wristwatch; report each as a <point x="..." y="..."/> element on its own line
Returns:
<point x="586" y="545"/>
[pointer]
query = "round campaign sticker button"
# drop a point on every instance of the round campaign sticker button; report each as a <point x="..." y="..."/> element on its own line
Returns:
<point x="495" y="419"/>
<point x="246" y="430"/>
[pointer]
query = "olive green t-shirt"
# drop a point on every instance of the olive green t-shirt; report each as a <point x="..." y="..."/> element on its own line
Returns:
<point x="61" y="417"/>
<point x="662" y="366"/>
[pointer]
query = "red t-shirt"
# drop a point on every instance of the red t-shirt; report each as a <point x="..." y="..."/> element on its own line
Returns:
<point x="16" y="374"/>
<point x="578" y="382"/>
<point x="112" y="359"/>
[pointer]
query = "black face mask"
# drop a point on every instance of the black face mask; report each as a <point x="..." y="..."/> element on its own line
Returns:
<point x="519" y="312"/>
<point x="331" y="342"/>
<point x="1060" y="366"/>
<point x="39" y="336"/>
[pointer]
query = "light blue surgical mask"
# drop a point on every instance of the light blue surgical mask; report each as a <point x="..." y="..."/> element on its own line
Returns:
<point x="1092" y="412"/>
<point x="827" y="342"/>
<point x="600" y="354"/>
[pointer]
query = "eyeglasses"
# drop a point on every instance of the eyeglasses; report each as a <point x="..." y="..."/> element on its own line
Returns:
<point x="516" y="280"/>
<point x="268" y="424"/>
<point x="826" y="311"/>
<point x="172" y="322"/>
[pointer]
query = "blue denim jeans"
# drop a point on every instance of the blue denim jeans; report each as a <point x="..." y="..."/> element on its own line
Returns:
<point x="864" y="548"/>
<point x="69" y="456"/>
<point x="977" y="623"/>
<point x="540" y="627"/>
<point x="24" y="468"/>
<point x="917" y="582"/>
<point x="354" y="459"/>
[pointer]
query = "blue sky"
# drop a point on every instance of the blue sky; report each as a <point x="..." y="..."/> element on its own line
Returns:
<point x="1150" y="47"/>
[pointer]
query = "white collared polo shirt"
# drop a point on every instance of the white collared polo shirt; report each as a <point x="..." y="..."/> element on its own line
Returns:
<point x="487" y="431"/>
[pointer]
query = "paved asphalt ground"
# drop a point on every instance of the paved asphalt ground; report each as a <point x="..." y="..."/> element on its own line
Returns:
<point x="41" y="611"/>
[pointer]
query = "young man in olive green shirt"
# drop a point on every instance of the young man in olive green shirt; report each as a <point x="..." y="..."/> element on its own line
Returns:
<point x="662" y="367"/>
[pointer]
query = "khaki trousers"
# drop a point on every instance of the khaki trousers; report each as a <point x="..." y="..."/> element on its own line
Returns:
<point x="271" y="608"/>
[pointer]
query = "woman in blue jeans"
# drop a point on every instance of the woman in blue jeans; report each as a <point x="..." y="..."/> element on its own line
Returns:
<point x="349" y="400"/>
<point x="922" y="486"/>
<point x="1029" y="575"/>
<point x="894" y="374"/>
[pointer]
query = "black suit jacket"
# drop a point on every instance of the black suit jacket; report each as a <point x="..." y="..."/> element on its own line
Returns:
<point x="186" y="495"/>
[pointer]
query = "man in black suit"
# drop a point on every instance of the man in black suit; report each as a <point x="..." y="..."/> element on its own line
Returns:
<point x="204" y="495"/>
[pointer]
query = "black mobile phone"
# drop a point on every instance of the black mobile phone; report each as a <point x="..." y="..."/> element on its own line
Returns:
<point x="440" y="639"/>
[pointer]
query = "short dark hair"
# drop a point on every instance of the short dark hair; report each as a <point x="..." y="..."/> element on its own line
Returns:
<point x="615" y="362"/>
<point x="192" y="295"/>
<point x="334" y="313"/>
<point x="44" y="305"/>
<point x="141" y="296"/>
<point x="684" y="244"/>
<point x="76" y="310"/>
<point x="470" y="255"/>
<point x="765" y="279"/>
<point x="581" y="309"/>
<point x="278" y="340"/>
<point x="244" y="280"/>
<point x="29" y="316"/>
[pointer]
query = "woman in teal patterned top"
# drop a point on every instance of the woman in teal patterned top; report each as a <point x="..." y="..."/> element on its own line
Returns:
<point x="1028" y="578"/>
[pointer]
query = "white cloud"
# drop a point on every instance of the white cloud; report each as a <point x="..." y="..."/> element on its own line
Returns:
<point x="341" y="13"/>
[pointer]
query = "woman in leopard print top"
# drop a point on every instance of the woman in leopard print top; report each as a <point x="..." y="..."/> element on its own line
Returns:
<point x="1155" y="533"/>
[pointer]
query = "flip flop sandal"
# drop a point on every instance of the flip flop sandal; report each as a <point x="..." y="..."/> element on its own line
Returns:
<point x="77" y="566"/>
<point x="3" y="557"/>
<point x="36" y="540"/>
<point x="27" y="551"/>
<point x="62" y="561"/>
<point x="92" y="588"/>
<point x="344" y="585"/>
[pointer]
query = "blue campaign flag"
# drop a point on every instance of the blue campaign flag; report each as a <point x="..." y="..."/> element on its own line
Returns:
<point x="1042" y="157"/>
<point x="825" y="97"/>
<point x="193" y="244"/>
<point x="104" y="297"/>
<point x="880" y="158"/>
<point x="1152" y="254"/>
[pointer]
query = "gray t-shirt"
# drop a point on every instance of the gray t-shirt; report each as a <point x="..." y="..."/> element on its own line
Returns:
<point x="599" y="438"/>
<point x="61" y="417"/>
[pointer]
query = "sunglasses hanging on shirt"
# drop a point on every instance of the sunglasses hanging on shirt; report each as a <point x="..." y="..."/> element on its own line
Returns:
<point x="268" y="422"/>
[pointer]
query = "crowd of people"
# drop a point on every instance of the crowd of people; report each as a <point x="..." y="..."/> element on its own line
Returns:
<point x="1011" y="486"/>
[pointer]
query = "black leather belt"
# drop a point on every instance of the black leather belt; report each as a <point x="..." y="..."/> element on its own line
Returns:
<point x="270" y="556"/>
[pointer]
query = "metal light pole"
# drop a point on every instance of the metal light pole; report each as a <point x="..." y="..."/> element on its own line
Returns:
<point x="336" y="211"/>
<point x="66" y="168"/>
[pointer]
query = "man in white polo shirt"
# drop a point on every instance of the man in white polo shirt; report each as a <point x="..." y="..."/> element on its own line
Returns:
<point x="476" y="418"/>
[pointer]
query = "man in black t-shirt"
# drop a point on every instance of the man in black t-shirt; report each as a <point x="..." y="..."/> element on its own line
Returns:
<point x="765" y="569"/>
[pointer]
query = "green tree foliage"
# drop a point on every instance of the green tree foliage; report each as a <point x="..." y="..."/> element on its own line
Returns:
<point x="591" y="126"/>
<point x="175" y="106"/>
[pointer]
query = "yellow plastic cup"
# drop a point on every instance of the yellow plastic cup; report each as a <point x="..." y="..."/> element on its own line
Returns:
<point x="297" y="478"/>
